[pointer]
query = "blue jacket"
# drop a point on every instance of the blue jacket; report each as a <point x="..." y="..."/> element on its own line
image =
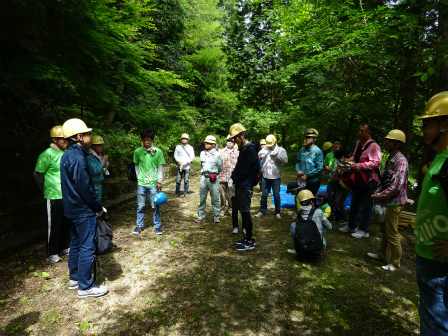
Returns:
<point x="78" y="191"/>
<point x="310" y="161"/>
<point x="246" y="167"/>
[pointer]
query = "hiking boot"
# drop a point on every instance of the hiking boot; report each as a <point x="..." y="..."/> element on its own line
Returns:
<point x="374" y="255"/>
<point x="198" y="220"/>
<point x="158" y="231"/>
<point x="93" y="291"/>
<point x="258" y="215"/>
<point x="54" y="258"/>
<point x="216" y="219"/>
<point x="65" y="251"/>
<point x="246" y="246"/>
<point x="278" y="216"/>
<point x="72" y="284"/>
<point x="137" y="230"/>
<point x="389" y="268"/>
<point x="292" y="251"/>
<point x="360" y="234"/>
<point x="235" y="230"/>
<point x="347" y="229"/>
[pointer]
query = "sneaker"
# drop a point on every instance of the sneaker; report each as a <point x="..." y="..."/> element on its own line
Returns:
<point x="360" y="234"/>
<point x="137" y="230"/>
<point x="66" y="251"/>
<point x="342" y="221"/>
<point x="72" y="284"/>
<point x="278" y="216"/>
<point x="374" y="255"/>
<point x="198" y="220"/>
<point x="346" y="229"/>
<point x="235" y="230"/>
<point x="292" y="251"/>
<point x="54" y="258"/>
<point x="389" y="268"/>
<point x="216" y="219"/>
<point x="158" y="231"/>
<point x="246" y="246"/>
<point x="258" y="215"/>
<point x="243" y="241"/>
<point x="94" y="291"/>
<point x="185" y="195"/>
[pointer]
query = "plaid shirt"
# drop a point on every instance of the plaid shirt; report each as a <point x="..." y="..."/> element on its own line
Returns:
<point x="229" y="158"/>
<point x="395" y="193"/>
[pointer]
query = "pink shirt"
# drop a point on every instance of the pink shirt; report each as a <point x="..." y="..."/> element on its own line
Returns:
<point x="370" y="160"/>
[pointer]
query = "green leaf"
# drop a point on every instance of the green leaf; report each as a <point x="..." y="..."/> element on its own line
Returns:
<point x="45" y="274"/>
<point x="424" y="77"/>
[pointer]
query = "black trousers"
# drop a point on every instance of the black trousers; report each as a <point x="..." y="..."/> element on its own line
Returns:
<point x="58" y="227"/>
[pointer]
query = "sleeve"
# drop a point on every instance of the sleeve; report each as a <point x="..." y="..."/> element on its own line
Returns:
<point x="136" y="159"/>
<point x="262" y="154"/>
<point x="325" y="222"/>
<point x="281" y="155"/>
<point x="219" y="163"/>
<point x="298" y="162"/>
<point x="374" y="154"/>
<point x="327" y="160"/>
<point x="43" y="163"/>
<point x="95" y="166"/>
<point x="177" y="154"/>
<point x="399" y="180"/>
<point x="191" y="151"/>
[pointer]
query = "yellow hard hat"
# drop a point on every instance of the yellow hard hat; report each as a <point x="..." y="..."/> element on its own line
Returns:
<point x="327" y="145"/>
<point x="305" y="195"/>
<point x="56" y="132"/>
<point x="236" y="129"/>
<point x="271" y="140"/>
<point x="436" y="106"/>
<point x="396" y="134"/>
<point x="97" y="140"/>
<point x="425" y="169"/>
<point x="262" y="142"/>
<point x="185" y="136"/>
<point x="210" y="139"/>
<point x="74" y="126"/>
<point x="229" y="138"/>
<point x="311" y="132"/>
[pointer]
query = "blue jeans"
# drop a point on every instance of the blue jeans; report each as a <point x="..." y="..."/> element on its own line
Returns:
<point x="267" y="184"/>
<point x="362" y="200"/>
<point x="82" y="248"/>
<point x="142" y="192"/>
<point x="432" y="280"/>
<point x="186" y="175"/>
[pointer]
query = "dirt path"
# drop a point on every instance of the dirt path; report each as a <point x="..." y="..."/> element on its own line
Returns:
<point x="190" y="281"/>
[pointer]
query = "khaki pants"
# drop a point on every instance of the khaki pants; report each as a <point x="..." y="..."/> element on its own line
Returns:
<point x="390" y="246"/>
<point x="206" y="186"/>
<point x="224" y="198"/>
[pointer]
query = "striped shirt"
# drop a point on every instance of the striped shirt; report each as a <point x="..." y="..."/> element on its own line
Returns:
<point x="229" y="158"/>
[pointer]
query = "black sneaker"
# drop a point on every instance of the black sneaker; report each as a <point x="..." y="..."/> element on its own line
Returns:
<point x="244" y="241"/>
<point x="246" y="246"/>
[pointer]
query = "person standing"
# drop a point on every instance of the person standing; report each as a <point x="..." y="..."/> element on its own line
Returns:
<point x="211" y="166"/>
<point x="367" y="162"/>
<point x="98" y="164"/>
<point x="229" y="156"/>
<point x="48" y="178"/>
<point x="392" y="192"/>
<point x="431" y="222"/>
<point x="310" y="162"/>
<point x="149" y="163"/>
<point x="243" y="178"/>
<point x="273" y="157"/>
<point x="183" y="155"/>
<point x="260" y="173"/>
<point x="81" y="206"/>
<point x="329" y="163"/>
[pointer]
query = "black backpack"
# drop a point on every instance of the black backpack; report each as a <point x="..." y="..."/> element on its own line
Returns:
<point x="103" y="236"/>
<point x="307" y="240"/>
<point x="132" y="176"/>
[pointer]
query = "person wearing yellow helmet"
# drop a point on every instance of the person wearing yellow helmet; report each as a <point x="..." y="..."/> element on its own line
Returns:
<point x="329" y="162"/>
<point x="48" y="177"/>
<point x="431" y="222"/>
<point x="391" y="192"/>
<point x="273" y="157"/>
<point x="211" y="166"/>
<point x="243" y="178"/>
<point x="149" y="162"/>
<point x="366" y="166"/>
<point x="183" y="155"/>
<point x="310" y="161"/>
<point x="81" y="206"/>
<point x="98" y="164"/>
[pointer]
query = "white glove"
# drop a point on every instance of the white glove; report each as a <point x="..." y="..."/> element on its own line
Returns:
<point x="230" y="183"/>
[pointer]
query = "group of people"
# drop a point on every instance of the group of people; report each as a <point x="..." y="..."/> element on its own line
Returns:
<point x="71" y="176"/>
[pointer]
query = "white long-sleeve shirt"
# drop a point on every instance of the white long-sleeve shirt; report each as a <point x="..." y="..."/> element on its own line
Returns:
<point x="272" y="161"/>
<point x="181" y="155"/>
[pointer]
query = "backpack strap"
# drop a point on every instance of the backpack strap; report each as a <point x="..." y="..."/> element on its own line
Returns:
<point x="310" y="215"/>
<point x="443" y="178"/>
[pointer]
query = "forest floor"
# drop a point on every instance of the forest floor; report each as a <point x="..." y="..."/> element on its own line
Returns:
<point x="191" y="281"/>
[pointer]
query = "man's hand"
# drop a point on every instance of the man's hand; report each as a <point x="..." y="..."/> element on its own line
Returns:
<point x="100" y="213"/>
<point x="440" y="250"/>
<point x="303" y="177"/>
<point x="159" y="186"/>
<point x="105" y="158"/>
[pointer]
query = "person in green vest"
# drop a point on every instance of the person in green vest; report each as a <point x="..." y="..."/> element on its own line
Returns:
<point x="322" y="199"/>
<point x="48" y="178"/>
<point x="329" y="162"/>
<point x="431" y="222"/>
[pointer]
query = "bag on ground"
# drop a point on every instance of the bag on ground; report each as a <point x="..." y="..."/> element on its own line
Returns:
<point x="307" y="240"/>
